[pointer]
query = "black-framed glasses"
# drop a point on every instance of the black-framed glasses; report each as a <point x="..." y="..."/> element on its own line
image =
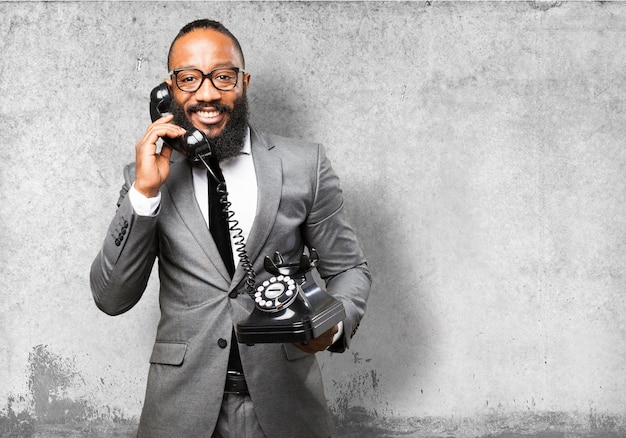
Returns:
<point x="191" y="79"/>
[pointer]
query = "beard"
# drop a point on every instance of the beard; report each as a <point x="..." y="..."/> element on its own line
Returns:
<point x="229" y="142"/>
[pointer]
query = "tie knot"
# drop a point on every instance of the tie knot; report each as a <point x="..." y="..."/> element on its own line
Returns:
<point x="215" y="171"/>
<point x="213" y="161"/>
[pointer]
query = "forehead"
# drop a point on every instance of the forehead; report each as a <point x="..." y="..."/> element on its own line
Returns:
<point x="204" y="49"/>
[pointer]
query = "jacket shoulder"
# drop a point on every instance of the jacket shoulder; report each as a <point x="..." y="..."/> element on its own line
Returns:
<point x="271" y="141"/>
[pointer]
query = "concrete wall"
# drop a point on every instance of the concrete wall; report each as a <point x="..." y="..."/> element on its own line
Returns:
<point x="481" y="149"/>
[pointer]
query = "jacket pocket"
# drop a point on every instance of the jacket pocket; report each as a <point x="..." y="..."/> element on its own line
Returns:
<point x="294" y="353"/>
<point x="168" y="353"/>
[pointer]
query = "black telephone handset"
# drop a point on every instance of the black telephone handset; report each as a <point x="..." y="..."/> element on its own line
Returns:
<point x="194" y="143"/>
<point x="289" y="306"/>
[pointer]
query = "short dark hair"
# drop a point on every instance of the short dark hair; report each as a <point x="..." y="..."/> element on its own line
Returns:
<point x="205" y="24"/>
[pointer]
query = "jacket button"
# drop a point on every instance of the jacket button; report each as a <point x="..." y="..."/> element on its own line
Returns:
<point x="222" y="343"/>
<point x="233" y="294"/>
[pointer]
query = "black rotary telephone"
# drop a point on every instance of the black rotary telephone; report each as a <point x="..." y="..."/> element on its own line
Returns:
<point x="289" y="306"/>
<point x="194" y="143"/>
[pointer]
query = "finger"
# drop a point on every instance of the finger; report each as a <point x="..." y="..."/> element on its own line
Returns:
<point x="147" y="146"/>
<point x="166" y="152"/>
<point x="165" y="119"/>
<point x="164" y="126"/>
<point x="159" y="130"/>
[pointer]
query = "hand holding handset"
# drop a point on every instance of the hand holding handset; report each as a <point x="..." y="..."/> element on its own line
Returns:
<point x="194" y="143"/>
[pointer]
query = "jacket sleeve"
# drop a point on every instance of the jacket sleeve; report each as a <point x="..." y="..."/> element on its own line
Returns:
<point x="120" y="272"/>
<point x="342" y="264"/>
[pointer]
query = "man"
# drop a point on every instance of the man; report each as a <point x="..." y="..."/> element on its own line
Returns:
<point x="285" y="197"/>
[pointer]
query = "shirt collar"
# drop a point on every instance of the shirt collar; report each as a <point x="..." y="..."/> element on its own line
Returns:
<point x="247" y="146"/>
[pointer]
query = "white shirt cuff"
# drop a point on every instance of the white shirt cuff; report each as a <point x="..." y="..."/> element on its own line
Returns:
<point x="339" y="332"/>
<point x="143" y="205"/>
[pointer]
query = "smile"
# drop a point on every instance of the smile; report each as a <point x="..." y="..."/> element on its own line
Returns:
<point x="213" y="113"/>
<point x="208" y="116"/>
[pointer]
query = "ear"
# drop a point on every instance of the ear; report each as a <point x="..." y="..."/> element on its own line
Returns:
<point x="246" y="81"/>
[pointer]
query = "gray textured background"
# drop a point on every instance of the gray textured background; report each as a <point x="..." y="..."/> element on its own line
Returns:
<point x="481" y="150"/>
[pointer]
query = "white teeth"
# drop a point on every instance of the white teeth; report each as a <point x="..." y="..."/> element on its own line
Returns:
<point x="208" y="113"/>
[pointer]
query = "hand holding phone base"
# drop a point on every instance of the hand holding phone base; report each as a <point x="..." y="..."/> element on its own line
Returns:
<point x="290" y="306"/>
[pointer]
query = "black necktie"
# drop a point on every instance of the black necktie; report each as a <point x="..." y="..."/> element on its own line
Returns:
<point x="218" y="221"/>
<point x="218" y="224"/>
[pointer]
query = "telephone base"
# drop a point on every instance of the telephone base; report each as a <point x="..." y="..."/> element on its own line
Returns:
<point x="305" y="319"/>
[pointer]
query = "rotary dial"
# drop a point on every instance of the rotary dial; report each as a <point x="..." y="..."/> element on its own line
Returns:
<point x="276" y="293"/>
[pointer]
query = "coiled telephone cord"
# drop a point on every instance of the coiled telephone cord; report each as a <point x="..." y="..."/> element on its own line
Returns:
<point x="237" y="232"/>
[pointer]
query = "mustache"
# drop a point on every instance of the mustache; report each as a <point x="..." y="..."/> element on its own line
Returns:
<point x="203" y="106"/>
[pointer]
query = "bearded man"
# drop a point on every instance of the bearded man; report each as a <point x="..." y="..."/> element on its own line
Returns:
<point x="285" y="197"/>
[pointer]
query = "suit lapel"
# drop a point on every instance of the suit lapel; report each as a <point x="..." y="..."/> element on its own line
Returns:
<point x="180" y="186"/>
<point x="269" y="175"/>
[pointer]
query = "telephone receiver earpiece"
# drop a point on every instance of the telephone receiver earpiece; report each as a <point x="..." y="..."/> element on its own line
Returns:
<point x="194" y="144"/>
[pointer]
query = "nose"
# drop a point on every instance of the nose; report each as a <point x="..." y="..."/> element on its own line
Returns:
<point x="207" y="92"/>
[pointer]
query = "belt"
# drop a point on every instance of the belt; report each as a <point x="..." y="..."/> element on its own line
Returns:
<point x="236" y="383"/>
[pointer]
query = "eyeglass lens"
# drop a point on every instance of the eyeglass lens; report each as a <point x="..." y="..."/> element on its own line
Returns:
<point x="223" y="79"/>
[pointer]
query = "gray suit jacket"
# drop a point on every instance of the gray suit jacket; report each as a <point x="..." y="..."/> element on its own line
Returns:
<point x="299" y="204"/>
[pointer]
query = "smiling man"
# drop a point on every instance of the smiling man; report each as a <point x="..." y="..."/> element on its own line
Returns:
<point x="284" y="196"/>
<point x="222" y="116"/>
